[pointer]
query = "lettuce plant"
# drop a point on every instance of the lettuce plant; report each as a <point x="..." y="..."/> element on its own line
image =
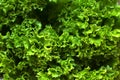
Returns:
<point x="59" y="40"/>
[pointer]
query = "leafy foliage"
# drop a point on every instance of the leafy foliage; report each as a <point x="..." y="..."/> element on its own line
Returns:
<point x="59" y="40"/>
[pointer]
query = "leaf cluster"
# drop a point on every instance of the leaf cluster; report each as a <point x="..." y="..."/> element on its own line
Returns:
<point x="59" y="39"/>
